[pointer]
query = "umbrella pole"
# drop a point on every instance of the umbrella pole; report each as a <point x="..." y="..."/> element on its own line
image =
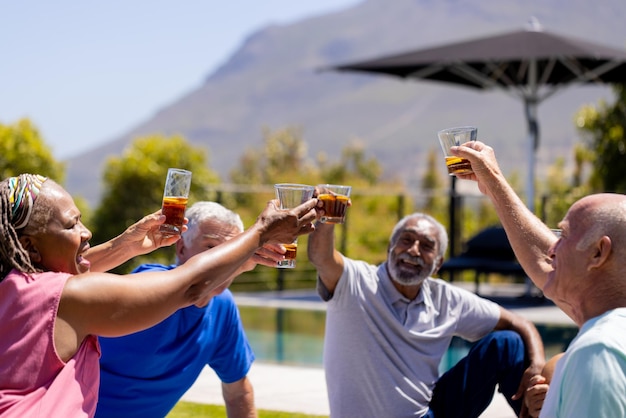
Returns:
<point x="454" y="218"/>
<point x="533" y="143"/>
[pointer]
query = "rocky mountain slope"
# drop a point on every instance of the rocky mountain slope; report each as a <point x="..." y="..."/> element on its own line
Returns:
<point x="277" y="79"/>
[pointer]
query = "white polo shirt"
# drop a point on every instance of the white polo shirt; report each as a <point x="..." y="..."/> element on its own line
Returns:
<point x="382" y="351"/>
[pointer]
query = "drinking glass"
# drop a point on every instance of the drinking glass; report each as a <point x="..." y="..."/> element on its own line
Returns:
<point x="454" y="137"/>
<point x="175" y="197"/>
<point x="335" y="198"/>
<point x="291" y="195"/>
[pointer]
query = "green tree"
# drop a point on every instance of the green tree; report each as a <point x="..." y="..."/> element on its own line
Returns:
<point x="559" y="193"/>
<point x="583" y="157"/>
<point x="283" y="158"/>
<point x="353" y="163"/>
<point x="133" y="186"/>
<point x="377" y="204"/>
<point x="432" y="185"/>
<point x="603" y="129"/>
<point x="23" y="150"/>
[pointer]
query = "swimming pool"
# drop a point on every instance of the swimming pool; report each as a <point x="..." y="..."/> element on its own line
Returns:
<point x="293" y="336"/>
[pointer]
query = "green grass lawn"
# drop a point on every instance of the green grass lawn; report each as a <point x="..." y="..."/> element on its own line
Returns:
<point x="193" y="410"/>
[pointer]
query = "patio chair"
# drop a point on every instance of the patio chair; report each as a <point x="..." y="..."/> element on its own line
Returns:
<point x="489" y="251"/>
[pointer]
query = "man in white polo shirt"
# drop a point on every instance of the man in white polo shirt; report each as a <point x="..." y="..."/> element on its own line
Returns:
<point x="388" y="327"/>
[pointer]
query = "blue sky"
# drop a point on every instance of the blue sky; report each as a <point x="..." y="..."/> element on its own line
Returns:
<point x="86" y="72"/>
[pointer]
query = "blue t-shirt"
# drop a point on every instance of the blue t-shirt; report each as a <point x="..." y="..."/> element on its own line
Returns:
<point x="145" y="374"/>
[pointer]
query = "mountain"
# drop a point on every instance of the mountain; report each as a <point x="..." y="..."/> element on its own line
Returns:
<point x="276" y="79"/>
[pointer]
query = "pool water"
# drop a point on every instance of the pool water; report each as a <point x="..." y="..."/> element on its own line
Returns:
<point x="296" y="337"/>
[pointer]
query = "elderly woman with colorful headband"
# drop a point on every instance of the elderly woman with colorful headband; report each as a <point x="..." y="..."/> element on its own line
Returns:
<point x="53" y="304"/>
<point x="141" y="238"/>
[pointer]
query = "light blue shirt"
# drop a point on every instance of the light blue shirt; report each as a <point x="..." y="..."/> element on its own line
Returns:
<point x="590" y="378"/>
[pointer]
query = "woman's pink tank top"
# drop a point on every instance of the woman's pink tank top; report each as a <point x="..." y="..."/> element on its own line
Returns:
<point x="34" y="381"/>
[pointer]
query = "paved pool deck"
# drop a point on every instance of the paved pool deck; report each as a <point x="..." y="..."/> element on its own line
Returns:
<point x="303" y="389"/>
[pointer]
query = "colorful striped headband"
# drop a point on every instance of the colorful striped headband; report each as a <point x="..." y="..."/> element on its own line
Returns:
<point x="24" y="190"/>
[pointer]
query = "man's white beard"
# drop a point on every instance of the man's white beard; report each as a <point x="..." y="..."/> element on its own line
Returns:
<point x="407" y="278"/>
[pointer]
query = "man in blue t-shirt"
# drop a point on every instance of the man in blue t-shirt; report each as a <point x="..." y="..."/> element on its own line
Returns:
<point x="145" y="374"/>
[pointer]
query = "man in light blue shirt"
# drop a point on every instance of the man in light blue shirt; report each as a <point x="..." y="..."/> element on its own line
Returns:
<point x="584" y="272"/>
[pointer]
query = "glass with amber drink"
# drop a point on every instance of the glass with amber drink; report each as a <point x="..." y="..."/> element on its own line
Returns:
<point x="454" y="137"/>
<point x="175" y="197"/>
<point x="336" y="199"/>
<point x="291" y="195"/>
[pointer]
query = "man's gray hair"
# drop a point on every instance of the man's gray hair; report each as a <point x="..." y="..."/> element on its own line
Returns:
<point x="442" y="235"/>
<point x="201" y="211"/>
